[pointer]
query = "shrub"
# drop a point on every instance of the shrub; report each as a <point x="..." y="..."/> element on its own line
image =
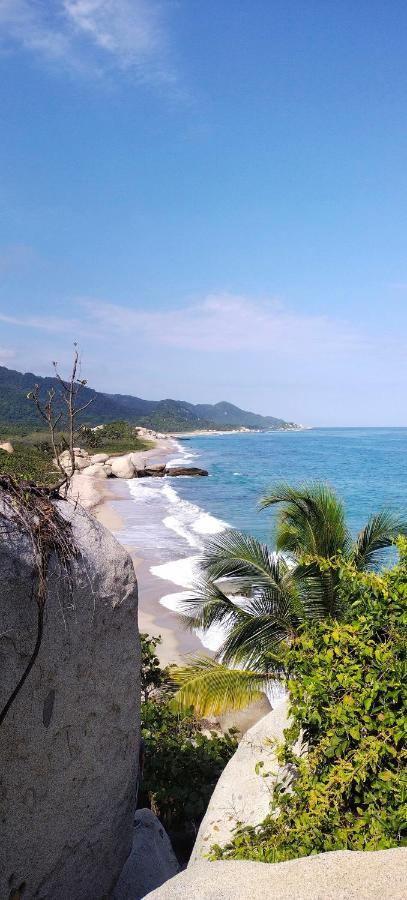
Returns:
<point x="347" y="685"/>
<point x="182" y="765"/>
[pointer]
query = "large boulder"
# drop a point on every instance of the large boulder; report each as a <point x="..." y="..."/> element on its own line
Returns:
<point x="122" y="466"/>
<point x="342" y="875"/>
<point x="98" y="470"/>
<point x="99" y="457"/>
<point x="82" y="459"/>
<point x="242" y="794"/>
<point x="69" y="745"/>
<point x="152" y="860"/>
<point x="7" y="447"/>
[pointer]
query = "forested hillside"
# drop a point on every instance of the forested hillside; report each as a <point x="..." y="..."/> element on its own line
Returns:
<point x="162" y="415"/>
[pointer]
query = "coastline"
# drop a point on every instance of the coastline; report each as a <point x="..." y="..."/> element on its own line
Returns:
<point x="111" y="503"/>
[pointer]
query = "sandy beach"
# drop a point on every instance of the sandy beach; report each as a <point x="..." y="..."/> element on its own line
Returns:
<point x="110" y="502"/>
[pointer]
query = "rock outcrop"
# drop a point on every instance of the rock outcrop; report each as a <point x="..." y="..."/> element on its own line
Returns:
<point x="185" y="470"/>
<point x="100" y="465"/>
<point x="7" y="447"/>
<point x="342" y="875"/>
<point x="241" y="795"/>
<point x="69" y="744"/>
<point x="122" y="466"/>
<point x="152" y="860"/>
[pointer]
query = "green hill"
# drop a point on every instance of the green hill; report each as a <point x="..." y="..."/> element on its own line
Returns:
<point x="162" y="415"/>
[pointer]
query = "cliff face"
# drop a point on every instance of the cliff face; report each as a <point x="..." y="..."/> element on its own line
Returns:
<point x="69" y="745"/>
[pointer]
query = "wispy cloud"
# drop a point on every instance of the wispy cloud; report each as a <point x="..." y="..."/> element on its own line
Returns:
<point x="52" y="324"/>
<point x="93" y="36"/>
<point x="228" y="323"/>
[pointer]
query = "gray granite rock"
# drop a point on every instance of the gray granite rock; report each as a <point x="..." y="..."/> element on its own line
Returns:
<point x="342" y="875"/>
<point x="242" y="794"/>
<point x="69" y="745"/>
<point x="122" y="466"/>
<point x="152" y="860"/>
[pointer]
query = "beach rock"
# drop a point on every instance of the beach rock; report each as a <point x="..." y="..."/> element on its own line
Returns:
<point x="341" y="875"/>
<point x="69" y="744"/>
<point x="7" y="447"/>
<point x="98" y="470"/>
<point x="184" y="470"/>
<point x="152" y="860"/>
<point x="99" y="457"/>
<point x="150" y="472"/>
<point x="122" y="466"/>
<point x="240" y="794"/>
<point x="82" y="459"/>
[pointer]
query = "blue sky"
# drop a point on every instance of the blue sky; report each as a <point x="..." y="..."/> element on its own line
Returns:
<point x="211" y="197"/>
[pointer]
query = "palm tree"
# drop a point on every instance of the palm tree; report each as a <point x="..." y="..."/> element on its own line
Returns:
<point x="260" y="598"/>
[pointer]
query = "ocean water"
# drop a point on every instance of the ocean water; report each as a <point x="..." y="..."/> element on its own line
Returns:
<point x="171" y="519"/>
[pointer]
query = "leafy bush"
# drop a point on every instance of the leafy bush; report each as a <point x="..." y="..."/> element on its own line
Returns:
<point x="114" y="437"/>
<point x="182" y="765"/>
<point x="29" y="463"/>
<point x="347" y="685"/>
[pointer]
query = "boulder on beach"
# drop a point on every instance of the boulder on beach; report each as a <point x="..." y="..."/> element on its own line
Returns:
<point x="82" y="459"/>
<point x="184" y="470"/>
<point x="69" y="745"/>
<point x="99" y="457"/>
<point x="122" y="466"/>
<point x="151" y="472"/>
<point x="98" y="470"/>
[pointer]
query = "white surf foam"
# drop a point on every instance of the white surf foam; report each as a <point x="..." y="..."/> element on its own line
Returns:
<point x="180" y="571"/>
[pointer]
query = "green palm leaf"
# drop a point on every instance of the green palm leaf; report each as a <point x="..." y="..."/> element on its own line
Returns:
<point x="380" y="531"/>
<point x="311" y="521"/>
<point x="211" y="688"/>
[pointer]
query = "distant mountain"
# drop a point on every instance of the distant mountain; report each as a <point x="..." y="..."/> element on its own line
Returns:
<point x="162" y="415"/>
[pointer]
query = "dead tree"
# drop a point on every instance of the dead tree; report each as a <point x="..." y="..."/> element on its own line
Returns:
<point x="69" y="396"/>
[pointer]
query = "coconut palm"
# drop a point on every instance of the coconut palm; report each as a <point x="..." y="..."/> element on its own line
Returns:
<point x="260" y="598"/>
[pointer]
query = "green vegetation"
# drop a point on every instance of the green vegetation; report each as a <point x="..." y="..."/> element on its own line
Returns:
<point x="33" y="458"/>
<point x="281" y="593"/>
<point x="182" y="765"/>
<point x="348" y="696"/>
<point x="29" y="463"/>
<point x="114" y="437"/>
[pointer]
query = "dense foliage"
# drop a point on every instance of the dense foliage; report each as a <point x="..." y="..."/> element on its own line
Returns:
<point x="182" y="764"/>
<point x="113" y="437"/>
<point x="29" y="463"/>
<point x="347" y="685"/>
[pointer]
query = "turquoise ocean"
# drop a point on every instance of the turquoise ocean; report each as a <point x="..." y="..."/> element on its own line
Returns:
<point x="169" y="520"/>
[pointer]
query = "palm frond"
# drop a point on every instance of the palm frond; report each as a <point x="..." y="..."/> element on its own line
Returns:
<point x="311" y="521"/>
<point x="236" y="555"/>
<point x="380" y="531"/>
<point x="211" y="688"/>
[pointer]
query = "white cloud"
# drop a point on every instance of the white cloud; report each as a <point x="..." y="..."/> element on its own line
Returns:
<point x="93" y="36"/>
<point x="52" y="324"/>
<point x="228" y="323"/>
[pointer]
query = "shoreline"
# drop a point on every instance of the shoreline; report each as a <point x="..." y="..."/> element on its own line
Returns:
<point x="109" y="500"/>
